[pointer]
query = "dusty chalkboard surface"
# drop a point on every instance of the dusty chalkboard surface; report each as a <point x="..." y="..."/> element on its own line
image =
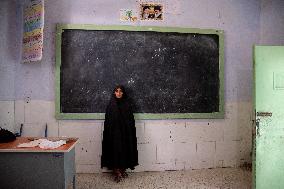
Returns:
<point x="163" y="72"/>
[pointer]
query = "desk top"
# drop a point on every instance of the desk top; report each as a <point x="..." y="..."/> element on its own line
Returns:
<point x="12" y="146"/>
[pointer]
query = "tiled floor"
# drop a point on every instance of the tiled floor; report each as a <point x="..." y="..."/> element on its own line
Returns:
<point x="221" y="178"/>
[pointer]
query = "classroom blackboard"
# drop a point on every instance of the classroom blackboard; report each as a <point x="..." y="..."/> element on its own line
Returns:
<point x="167" y="72"/>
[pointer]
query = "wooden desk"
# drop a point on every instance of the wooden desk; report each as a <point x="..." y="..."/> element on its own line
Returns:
<point x="34" y="168"/>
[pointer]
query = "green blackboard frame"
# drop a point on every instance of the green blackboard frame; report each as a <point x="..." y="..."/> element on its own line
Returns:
<point x="214" y="115"/>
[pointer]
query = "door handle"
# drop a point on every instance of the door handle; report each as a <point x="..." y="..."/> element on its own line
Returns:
<point x="264" y="114"/>
<point x="257" y="126"/>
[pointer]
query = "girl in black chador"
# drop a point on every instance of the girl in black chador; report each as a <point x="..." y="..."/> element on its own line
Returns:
<point x="119" y="146"/>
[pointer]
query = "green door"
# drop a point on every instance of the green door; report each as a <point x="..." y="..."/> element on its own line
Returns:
<point x="268" y="170"/>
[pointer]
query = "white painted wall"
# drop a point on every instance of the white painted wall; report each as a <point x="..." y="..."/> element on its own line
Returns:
<point x="272" y="24"/>
<point x="27" y="90"/>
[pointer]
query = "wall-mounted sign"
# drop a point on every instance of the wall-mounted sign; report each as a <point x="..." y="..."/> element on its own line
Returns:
<point x="33" y="31"/>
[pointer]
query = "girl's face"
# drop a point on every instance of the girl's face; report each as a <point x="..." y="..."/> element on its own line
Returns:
<point x="118" y="93"/>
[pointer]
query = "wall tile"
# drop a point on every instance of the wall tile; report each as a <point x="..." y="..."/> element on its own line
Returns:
<point x="38" y="111"/>
<point x="7" y="115"/>
<point x="147" y="153"/>
<point x="33" y="130"/>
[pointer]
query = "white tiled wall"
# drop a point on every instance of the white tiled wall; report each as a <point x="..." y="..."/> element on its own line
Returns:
<point x="162" y="144"/>
<point x="7" y="115"/>
<point x="88" y="149"/>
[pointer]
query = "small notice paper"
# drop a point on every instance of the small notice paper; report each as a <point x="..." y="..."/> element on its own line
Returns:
<point x="43" y="143"/>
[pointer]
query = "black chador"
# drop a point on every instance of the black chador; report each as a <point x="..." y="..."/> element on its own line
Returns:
<point x="119" y="145"/>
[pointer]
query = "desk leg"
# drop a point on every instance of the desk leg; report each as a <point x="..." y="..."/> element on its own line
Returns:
<point x="74" y="182"/>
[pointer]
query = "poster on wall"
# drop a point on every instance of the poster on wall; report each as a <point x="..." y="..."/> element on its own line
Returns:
<point x="33" y="31"/>
<point x="151" y="11"/>
<point x="128" y="15"/>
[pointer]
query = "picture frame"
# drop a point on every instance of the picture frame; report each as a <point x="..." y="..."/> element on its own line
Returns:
<point x="151" y="11"/>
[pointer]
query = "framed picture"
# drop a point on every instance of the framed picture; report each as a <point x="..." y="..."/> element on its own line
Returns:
<point x="151" y="11"/>
<point x="128" y="15"/>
